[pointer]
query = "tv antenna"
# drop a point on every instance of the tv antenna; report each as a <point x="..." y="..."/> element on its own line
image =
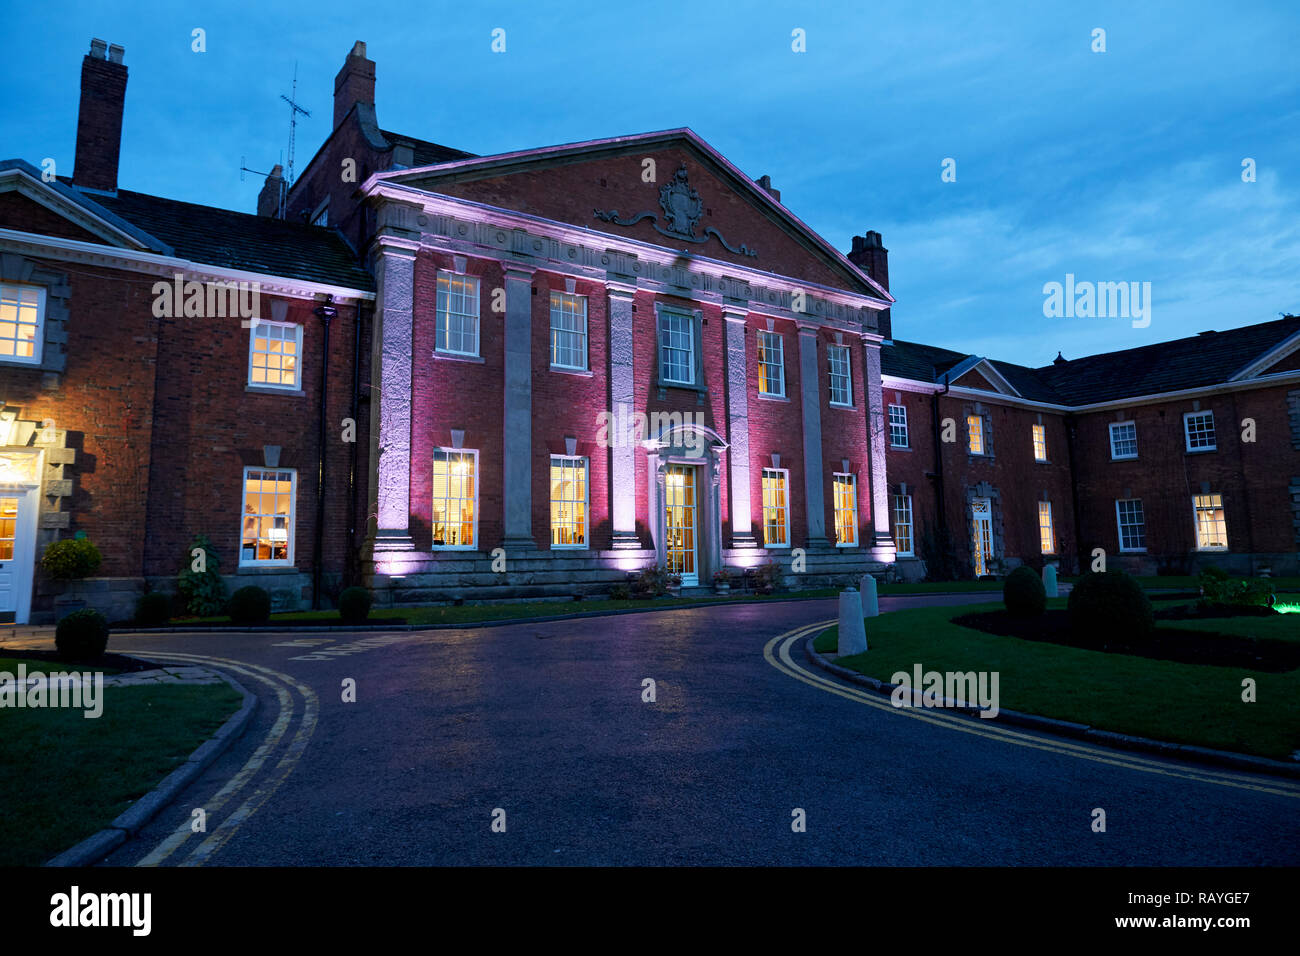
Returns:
<point x="286" y="181"/>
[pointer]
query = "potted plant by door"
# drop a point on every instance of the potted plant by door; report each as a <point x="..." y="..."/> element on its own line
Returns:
<point x="69" y="562"/>
<point x="675" y="585"/>
<point x="722" y="581"/>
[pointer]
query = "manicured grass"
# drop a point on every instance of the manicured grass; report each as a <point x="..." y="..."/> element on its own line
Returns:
<point x="1165" y="700"/>
<point x="938" y="587"/>
<point x="10" y="665"/>
<point x="63" y="777"/>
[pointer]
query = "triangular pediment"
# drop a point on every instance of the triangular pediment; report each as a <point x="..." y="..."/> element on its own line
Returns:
<point x="977" y="372"/>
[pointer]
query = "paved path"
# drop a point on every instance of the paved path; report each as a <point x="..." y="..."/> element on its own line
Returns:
<point x="546" y="722"/>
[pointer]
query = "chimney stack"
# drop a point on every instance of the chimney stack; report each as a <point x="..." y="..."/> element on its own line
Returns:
<point x="355" y="82"/>
<point x="268" y="200"/>
<point x="765" y="182"/>
<point x="99" y="121"/>
<point x="870" y="255"/>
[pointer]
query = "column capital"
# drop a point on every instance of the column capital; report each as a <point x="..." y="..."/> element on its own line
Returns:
<point x="807" y="328"/>
<point x="735" y="313"/>
<point x="620" y="290"/>
<point x="395" y="247"/>
<point x="519" y="272"/>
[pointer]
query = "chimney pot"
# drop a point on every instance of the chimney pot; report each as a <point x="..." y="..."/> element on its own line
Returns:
<point x="355" y="83"/>
<point x="98" y="49"/>
<point x="870" y="255"/>
<point x="115" y="52"/>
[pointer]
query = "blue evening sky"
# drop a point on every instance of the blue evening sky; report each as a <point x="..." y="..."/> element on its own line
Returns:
<point x="1116" y="166"/>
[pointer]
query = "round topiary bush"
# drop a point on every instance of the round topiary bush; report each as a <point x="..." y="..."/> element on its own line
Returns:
<point x="354" y="605"/>
<point x="1023" y="593"/>
<point x="82" y="635"/>
<point x="249" y="605"/>
<point x="1110" y="605"/>
<point x="71" y="559"/>
<point x="153" y="609"/>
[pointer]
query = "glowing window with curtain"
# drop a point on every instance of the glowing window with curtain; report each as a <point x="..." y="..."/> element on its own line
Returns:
<point x="1046" y="536"/>
<point x="903" y="525"/>
<point x="568" y="502"/>
<point x="846" y="509"/>
<point x="454" y="498"/>
<point x="776" y="508"/>
<point x="1211" y="528"/>
<point x="975" y="431"/>
<point x="267" y="534"/>
<point x="21" y="311"/>
<point x="1040" y="443"/>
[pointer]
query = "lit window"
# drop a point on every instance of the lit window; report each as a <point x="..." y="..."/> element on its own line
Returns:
<point x="8" y="527"/>
<point x="898" y="426"/>
<point x="457" y="314"/>
<point x="267" y="535"/>
<point x="1123" y="440"/>
<point x="455" y="498"/>
<point x="846" y="510"/>
<point x="273" y="350"/>
<point x="1199" y="429"/>
<point x="22" y="313"/>
<point x="676" y="348"/>
<point x="903" y="525"/>
<point x="771" y="364"/>
<point x="568" y="502"/>
<point x="569" y="331"/>
<point x="1132" y="525"/>
<point x="1040" y="443"/>
<point x="1046" y="537"/>
<point x="1211" y="531"/>
<point x="776" y="508"/>
<point x="841" y="384"/>
<point x="975" y="430"/>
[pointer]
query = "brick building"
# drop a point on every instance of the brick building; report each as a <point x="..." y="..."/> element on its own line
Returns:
<point x="463" y="377"/>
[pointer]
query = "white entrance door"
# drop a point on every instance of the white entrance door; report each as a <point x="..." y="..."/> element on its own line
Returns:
<point x="981" y="535"/>
<point x="16" y="552"/>
<point x="680" y="550"/>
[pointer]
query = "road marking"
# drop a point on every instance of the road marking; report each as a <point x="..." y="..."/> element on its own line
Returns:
<point x="782" y="661"/>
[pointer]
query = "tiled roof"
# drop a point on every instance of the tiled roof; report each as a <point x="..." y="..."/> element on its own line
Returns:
<point x="237" y="240"/>
<point x="426" y="153"/>
<point x="927" y="363"/>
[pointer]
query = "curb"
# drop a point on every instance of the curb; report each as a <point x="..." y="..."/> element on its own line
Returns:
<point x="1065" y="728"/>
<point x="130" y="821"/>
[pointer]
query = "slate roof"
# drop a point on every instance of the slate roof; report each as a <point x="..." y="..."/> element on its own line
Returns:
<point x="1199" y="360"/>
<point x="237" y="240"/>
<point x="426" y="153"/>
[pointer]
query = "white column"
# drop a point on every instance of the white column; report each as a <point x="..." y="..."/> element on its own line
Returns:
<point x="882" y="545"/>
<point x="391" y="414"/>
<point x="518" y="417"/>
<point x="742" y="533"/>
<point x="622" y="452"/>
<point x="810" y="398"/>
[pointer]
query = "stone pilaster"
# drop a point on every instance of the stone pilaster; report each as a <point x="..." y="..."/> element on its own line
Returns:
<point x="518" y="418"/>
<point x="810" y="398"/>
<point x="742" y="533"/>
<point x="622" y="451"/>
<point x="882" y="544"/>
<point x="394" y="267"/>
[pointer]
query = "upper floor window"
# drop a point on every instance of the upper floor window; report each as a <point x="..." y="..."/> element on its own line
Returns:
<point x="22" y="317"/>
<point x="1123" y="440"/>
<point x="676" y="348"/>
<point x="273" y="351"/>
<point x="1211" y="529"/>
<point x="569" y="331"/>
<point x="568" y="502"/>
<point x="975" y="433"/>
<point x="771" y="364"/>
<point x="1040" y="442"/>
<point x="898" y="426"/>
<point x="455" y="498"/>
<point x="776" y="508"/>
<point x="845" y="489"/>
<point x="457" y="314"/>
<point x="267" y="533"/>
<point x="1199" y="430"/>
<point x="841" y="384"/>
<point x="902" y="516"/>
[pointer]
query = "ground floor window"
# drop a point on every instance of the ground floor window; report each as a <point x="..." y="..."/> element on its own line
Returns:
<point x="568" y="502"/>
<point x="981" y="514"/>
<point x="846" y="509"/>
<point x="1046" y="536"/>
<point x="903" y="526"/>
<point x="1132" y="525"/>
<point x="776" y="508"/>
<point x="267" y="535"/>
<point x="1211" y="529"/>
<point x="455" y="498"/>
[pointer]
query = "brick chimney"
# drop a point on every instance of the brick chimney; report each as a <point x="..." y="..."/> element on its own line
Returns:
<point x="99" y="121"/>
<point x="355" y="83"/>
<point x="268" y="200"/>
<point x="870" y="255"/>
<point x="765" y="183"/>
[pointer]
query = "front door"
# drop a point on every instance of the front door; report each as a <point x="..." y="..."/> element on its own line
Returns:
<point x="16" y="549"/>
<point x="981" y="535"/>
<point x="680" y="523"/>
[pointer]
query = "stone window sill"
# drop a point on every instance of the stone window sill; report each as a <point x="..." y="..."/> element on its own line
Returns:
<point x="581" y="373"/>
<point x="450" y="357"/>
<point x="272" y="390"/>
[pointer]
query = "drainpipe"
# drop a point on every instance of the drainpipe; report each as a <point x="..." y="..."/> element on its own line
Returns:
<point x="1071" y="439"/>
<point x="351" y="567"/>
<point x="324" y="312"/>
<point x="941" y="504"/>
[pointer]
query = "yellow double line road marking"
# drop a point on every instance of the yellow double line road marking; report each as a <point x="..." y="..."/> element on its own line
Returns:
<point x="282" y="684"/>
<point x="777" y="653"/>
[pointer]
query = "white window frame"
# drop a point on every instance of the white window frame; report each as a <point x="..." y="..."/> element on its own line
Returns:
<point x="443" y="313"/>
<point x="575" y="462"/>
<point x="1038" y="435"/>
<point x="896" y="523"/>
<point x="846" y="376"/>
<point x="473" y="546"/>
<point x="983" y="443"/>
<point x="255" y="327"/>
<point x="1119" y="525"/>
<point x="293" y="518"/>
<point x="1128" y="424"/>
<point x="11" y="293"/>
<point x="1187" y="431"/>
<point x="782" y="474"/>
<point x="907" y="437"/>
<point x="836" y="510"/>
<point x="1198" y="509"/>
<point x="662" y="321"/>
<point x="1045" y="510"/>
<point x="559" y="299"/>
<point x="765" y="339"/>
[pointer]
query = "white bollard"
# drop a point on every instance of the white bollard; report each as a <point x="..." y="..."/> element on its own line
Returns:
<point x="1049" y="581"/>
<point x="853" y="631"/>
<point x="870" y="604"/>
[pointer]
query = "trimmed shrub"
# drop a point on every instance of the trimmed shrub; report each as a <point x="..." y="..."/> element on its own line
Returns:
<point x="620" y="592"/>
<point x="250" y="605"/>
<point x="82" y="635"/>
<point x="354" y="605"/>
<point x="154" y="609"/>
<point x="1110" y="605"/>
<point x="199" y="583"/>
<point x="1218" y="588"/>
<point x="71" y="559"/>
<point x="1023" y="593"/>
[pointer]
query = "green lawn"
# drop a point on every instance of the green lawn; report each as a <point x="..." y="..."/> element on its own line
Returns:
<point x="10" y="665"/>
<point x="63" y="777"/>
<point x="1164" y="700"/>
